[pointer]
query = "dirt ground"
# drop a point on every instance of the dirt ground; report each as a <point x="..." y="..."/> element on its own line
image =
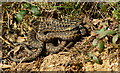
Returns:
<point x="76" y="58"/>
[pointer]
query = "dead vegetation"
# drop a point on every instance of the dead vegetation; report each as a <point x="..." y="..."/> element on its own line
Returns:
<point x="97" y="51"/>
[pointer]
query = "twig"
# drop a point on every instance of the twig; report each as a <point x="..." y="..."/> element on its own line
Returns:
<point x="6" y="41"/>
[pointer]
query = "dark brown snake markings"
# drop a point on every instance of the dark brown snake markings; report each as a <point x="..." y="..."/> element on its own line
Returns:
<point x="66" y="31"/>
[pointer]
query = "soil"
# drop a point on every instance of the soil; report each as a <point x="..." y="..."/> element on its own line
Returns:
<point x="76" y="58"/>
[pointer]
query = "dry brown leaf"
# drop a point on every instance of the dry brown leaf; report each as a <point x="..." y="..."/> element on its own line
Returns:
<point x="96" y="21"/>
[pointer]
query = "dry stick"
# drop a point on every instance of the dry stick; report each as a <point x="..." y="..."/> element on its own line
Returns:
<point x="8" y="21"/>
<point x="18" y="64"/>
<point x="12" y="46"/>
<point x="6" y="41"/>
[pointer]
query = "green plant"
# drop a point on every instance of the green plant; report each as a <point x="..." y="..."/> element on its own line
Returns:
<point x="116" y="13"/>
<point x="104" y="32"/>
<point x="92" y="58"/>
<point x="19" y="16"/>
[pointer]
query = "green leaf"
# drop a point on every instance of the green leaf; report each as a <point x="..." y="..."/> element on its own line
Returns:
<point x="101" y="46"/>
<point x="35" y="10"/>
<point x="107" y="32"/>
<point x="19" y="17"/>
<point x="26" y="5"/>
<point x="115" y="38"/>
<point x="99" y="5"/>
<point x="104" y="8"/>
<point x="90" y="55"/>
<point x="95" y="59"/>
<point x="100" y="31"/>
<point x="116" y="13"/>
<point x="77" y="4"/>
<point x="23" y="12"/>
<point x="95" y="41"/>
<point x="87" y="60"/>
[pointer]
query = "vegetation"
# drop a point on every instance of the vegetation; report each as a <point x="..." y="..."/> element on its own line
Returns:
<point x="101" y="19"/>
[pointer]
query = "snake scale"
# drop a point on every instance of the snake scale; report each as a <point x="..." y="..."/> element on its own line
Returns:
<point x="51" y="32"/>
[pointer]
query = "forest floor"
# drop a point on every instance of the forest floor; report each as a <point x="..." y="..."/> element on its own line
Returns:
<point x="97" y="51"/>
